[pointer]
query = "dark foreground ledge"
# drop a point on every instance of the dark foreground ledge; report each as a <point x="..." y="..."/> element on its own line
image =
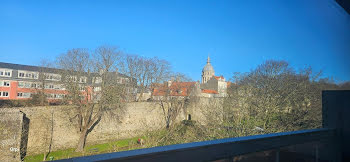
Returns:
<point x="214" y="149"/>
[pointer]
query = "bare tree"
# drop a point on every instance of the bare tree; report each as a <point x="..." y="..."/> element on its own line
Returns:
<point x="274" y="97"/>
<point x="146" y="71"/>
<point x="79" y="74"/>
<point x="39" y="97"/>
<point x="171" y="109"/>
<point x="173" y="100"/>
<point x="180" y="77"/>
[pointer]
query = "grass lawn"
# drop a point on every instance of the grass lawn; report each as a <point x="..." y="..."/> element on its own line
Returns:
<point x="180" y="133"/>
<point x="114" y="146"/>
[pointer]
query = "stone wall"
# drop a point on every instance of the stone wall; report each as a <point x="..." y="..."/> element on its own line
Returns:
<point x="204" y="110"/>
<point x="58" y="123"/>
<point x="134" y="120"/>
<point x="13" y="135"/>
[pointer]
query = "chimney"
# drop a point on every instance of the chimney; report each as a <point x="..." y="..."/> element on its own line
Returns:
<point x="169" y="83"/>
<point x="101" y="71"/>
<point x="116" y="71"/>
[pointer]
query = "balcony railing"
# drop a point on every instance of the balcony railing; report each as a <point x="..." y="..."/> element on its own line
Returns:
<point x="328" y="142"/>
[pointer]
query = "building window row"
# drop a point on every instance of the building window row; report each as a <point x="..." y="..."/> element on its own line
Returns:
<point x="49" y="86"/>
<point x="82" y="88"/>
<point x="55" y="96"/>
<point x="23" y="95"/>
<point x="123" y="80"/>
<point x="50" y="96"/>
<point x="35" y="75"/>
<point x="4" y="94"/>
<point x="97" y="80"/>
<point x="28" y="85"/>
<point x="6" y="72"/>
<point x="38" y="85"/>
<point x="28" y="74"/>
<point x="96" y="89"/>
<point x="50" y="76"/>
<point x="54" y="77"/>
<point x="82" y="79"/>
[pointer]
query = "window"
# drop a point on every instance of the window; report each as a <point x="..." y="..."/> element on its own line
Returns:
<point x="82" y="88"/>
<point x="82" y="79"/>
<point x="72" y="78"/>
<point x="4" y="83"/>
<point x="50" y="76"/>
<point x="20" y="84"/>
<point x="97" y="80"/>
<point x="60" y="86"/>
<point x="6" y="72"/>
<point x="49" y="86"/>
<point x="4" y="94"/>
<point x="27" y="85"/>
<point x="27" y="95"/>
<point x="57" y="87"/>
<point x="23" y="95"/>
<point x="49" y="95"/>
<point x="28" y="74"/>
<point x="55" y="96"/>
<point x="21" y="75"/>
<point x="96" y="89"/>
<point x="126" y="79"/>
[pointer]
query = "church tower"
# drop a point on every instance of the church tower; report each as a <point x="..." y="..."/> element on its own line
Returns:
<point x="207" y="72"/>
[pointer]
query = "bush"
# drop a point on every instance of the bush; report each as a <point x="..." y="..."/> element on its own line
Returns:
<point x="14" y="103"/>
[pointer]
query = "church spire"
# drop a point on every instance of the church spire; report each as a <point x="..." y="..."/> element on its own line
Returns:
<point x="207" y="72"/>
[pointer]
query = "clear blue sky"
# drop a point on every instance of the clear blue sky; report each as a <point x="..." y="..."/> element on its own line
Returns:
<point x="239" y="35"/>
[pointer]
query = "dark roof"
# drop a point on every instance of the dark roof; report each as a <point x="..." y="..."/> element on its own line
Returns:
<point x="27" y="67"/>
<point x="38" y="68"/>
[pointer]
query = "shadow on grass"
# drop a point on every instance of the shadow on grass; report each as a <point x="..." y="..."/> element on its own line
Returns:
<point x="114" y="146"/>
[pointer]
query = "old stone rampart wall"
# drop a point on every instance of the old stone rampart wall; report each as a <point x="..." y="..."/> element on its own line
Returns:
<point x="133" y="120"/>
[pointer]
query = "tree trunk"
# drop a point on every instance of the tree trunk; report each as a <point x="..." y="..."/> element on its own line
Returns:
<point x="82" y="140"/>
<point x="141" y="94"/>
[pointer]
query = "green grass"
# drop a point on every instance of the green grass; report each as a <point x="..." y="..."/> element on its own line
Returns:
<point x="114" y="146"/>
<point x="183" y="132"/>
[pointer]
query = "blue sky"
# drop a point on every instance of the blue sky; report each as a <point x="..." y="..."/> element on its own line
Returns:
<point x="239" y="35"/>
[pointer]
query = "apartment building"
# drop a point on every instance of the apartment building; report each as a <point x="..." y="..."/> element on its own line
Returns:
<point x="20" y="82"/>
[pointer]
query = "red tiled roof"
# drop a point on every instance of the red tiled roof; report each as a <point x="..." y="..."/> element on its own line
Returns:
<point x="229" y="84"/>
<point x="176" y="89"/>
<point x="218" y="77"/>
<point x="209" y="91"/>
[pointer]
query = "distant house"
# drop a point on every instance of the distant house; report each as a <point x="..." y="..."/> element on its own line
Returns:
<point x="210" y="86"/>
<point x="20" y="82"/>
<point x="174" y="89"/>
